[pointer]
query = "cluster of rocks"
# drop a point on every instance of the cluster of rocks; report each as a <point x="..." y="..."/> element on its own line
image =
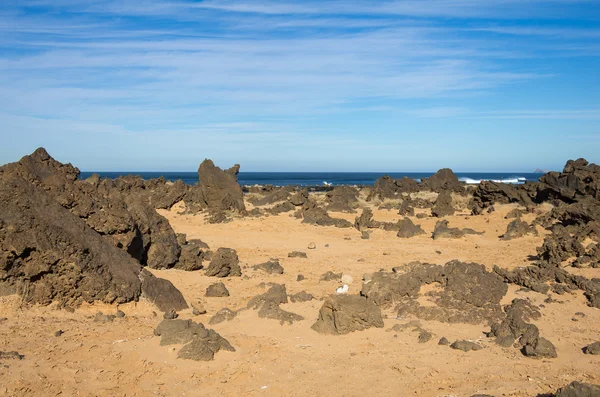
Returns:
<point x="69" y="241"/>
<point x="199" y="343"/>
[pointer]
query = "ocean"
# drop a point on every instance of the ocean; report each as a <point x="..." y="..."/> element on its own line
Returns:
<point x="325" y="178"/>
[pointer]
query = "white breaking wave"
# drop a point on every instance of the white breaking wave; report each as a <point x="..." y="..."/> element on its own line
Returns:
<point x="515" y="181"/>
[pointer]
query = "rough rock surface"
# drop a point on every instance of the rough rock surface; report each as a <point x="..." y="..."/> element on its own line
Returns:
<point x="224" y="263"/>
<point x="466" y="346"/>
<point x="488" y="193"/>
<point x="342" y="199"/>
<point x="222" y="315"/>
<point x="117" y="209"/>
<point x="442" y="230"/>
<point x="297" y="254"/>
<point x="48" y="254"/>
<point x="593" y="348"/>
<point x="200" y="343"/>
<point x="444" y="179"/>
<point x="268" y="303"/>
<point x="408" y="229"/>
<point x="342" y="314"/>
<point x="387" y="187"/>
<point x="217" y="290"/>
<point x="161" y="292"/>
<point x="578" y="389"/>
<point x="271" y="267"/>
<point x="468" y="293"/>
<point x="516" y="328"/>
<point x="518" y="228"/>
<point x="315" y="215"/>
<point x="219" y="190"/>
<point x="443" y="205"/>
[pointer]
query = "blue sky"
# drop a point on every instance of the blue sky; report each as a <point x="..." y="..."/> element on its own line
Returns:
<point x="363" y="85"/>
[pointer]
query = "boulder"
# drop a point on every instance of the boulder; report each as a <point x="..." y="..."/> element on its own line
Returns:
<point x="220" y="189"/>
<point x="342" y="314"/>
<point x="224" y="263"/>
<point x="442" y="230"/>
<point x="443" y="205"/>
<point x="518" y="228"/>
<point x="268" y="303"/>
<point x="408" y="229"/>
<point x="578" y="389"/>
<point x="217" y="290"/>
<point x="271" y="267"/>
<point x="444" y="179"/>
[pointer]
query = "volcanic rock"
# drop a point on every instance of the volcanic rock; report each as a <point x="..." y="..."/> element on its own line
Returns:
<point x="443" y="205"/>
<point x="297" y="254"/>
<point x="342" y="199"/>
<point x="271" y="267"/>
<point x="442" y="230"/>
<point x="224" y="263"/>
<point x="408" y="229"/>
<point x="217" y="290"/>
<point x="578" y="389"/>
<point x="442" y="180"/>
<point x="466" y="346"/>
<point x="222" y="315"/>
<point x="518" y="228"/>
<point x="342" y="314"/>
<point x="268" y="303"/>
<point x="593" y="348"/>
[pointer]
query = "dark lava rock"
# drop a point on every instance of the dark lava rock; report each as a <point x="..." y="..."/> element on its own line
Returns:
<point x="421" y="215"/>
<point x="443" y="341"/>
<point x="468" y="293"/>
<point x="274" y="196"/>
<point x="119" y="209"/>
<point x="488" y="193"/>
<point x="297" y="254"/>
<point x="301" y="297"/>
<point x="192" y="254"/>
<point x="408" y="229"/>
<point x="331" y="276"/>
<point x="201" y="343"/>
<point x="406" y="209"/>
<point x="11" y="356"/>
<point x="518" y="228"/>
<point x="516" y="328"/>
<point x="104" y="318"/>
<point x="217" y="290"/>
<point x="442" y="230"/>
<point x="161" y="292"/>
<point x="444" y="179"/>
<point x="512" y="214"/>
<point x="578" y="179"/>
<point x="314" y="215"/>
<point x="268" y="303"/>
<point x="365" y="234"/>
<point x="219" y="189"/>
<point x="342" y="199"/>
<point x="578" y="389"/>
<point x="271" y="267"/>
<point x="389" y="188"/>
<point x="281" y="208"/>
<point x="170" y="315"/>
<point x="223" y="315"/>
<point x="443" y="205"/>
<point x="224" y="263"/>
<point x="466" y="346"/>
<point x="59" y="333"/>
<point x="342" y="314"/>
<point x="120" y="314"/>
<point x="593" y="348"/>
<point x="365" y="220"/>
<point x="300" y="277"/>
<point x="48" y="253"/>
<point x="425" y="336"/>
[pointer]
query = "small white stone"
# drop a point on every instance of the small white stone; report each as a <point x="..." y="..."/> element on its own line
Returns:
<point x="347" y="279"/>
<point x="342" y="290"/>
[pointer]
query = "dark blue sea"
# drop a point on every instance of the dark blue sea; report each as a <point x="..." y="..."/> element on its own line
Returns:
<point x="325" y="178"/>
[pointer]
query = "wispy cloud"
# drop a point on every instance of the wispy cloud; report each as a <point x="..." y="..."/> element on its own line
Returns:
<point x="267" y="69"/>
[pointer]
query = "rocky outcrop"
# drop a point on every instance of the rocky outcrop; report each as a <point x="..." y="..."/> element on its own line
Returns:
<point x="49" y="254"/>
<point x="224" y="263"/>
<point x="579" y="179"/>
<point x="444" y="179"/>
<point x="516" y="328"/>
<point x="200" y="343"/>
<point x="407" y="229"/>
<point x="342" y="314"/>
<point x="578" y="389"/>
<point x="468" y="293"/>
<point x="219" y="191"/>
<point x="342" y="199"/>
<point x="489" y="193"/>
<point x="117" y="209"/>
<point x="315" y="215"/>
<point x="443" y="205"/>
<point x="518" y="228"/>
<point x="387" y="187"/>
<point x="442" y="230"/>
<point x="268" y="303"/>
